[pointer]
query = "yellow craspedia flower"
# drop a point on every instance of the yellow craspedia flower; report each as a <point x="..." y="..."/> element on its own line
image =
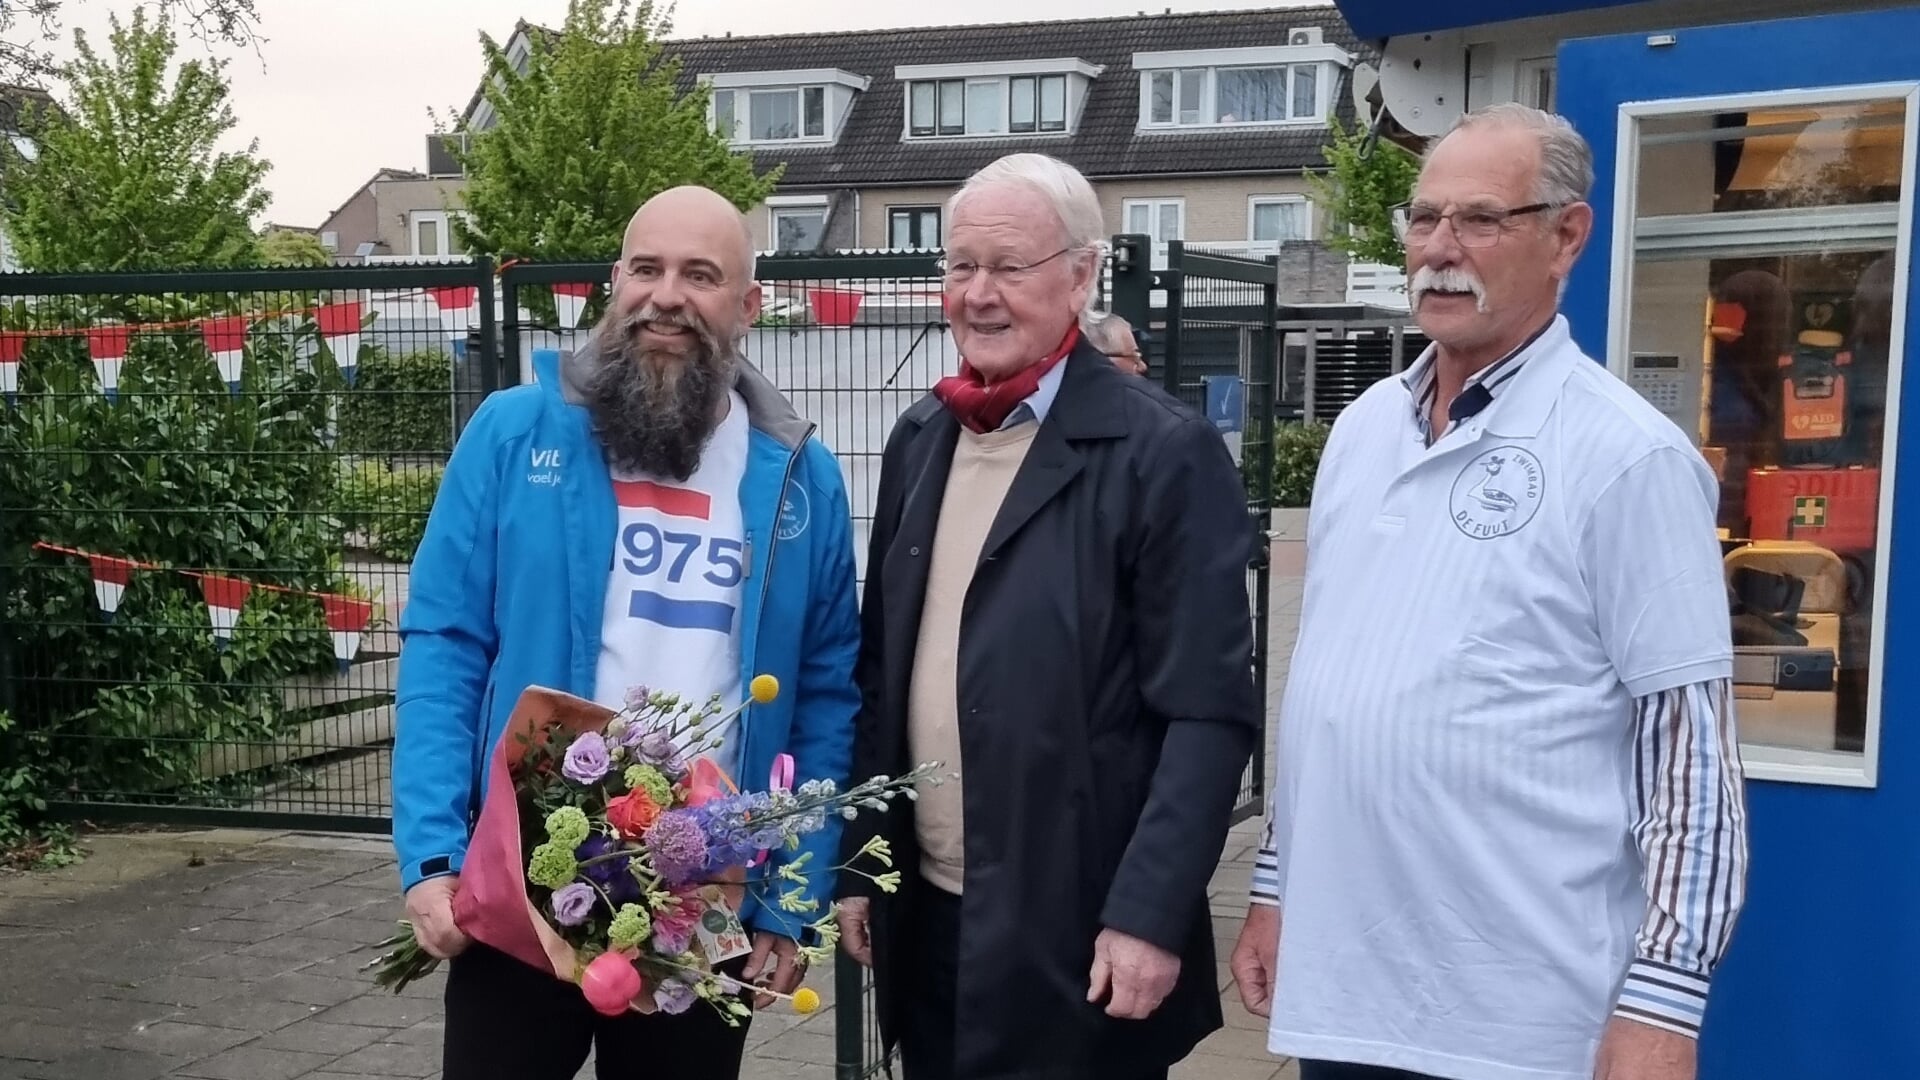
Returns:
<point x="806" y="1000"/>
<point x="764" y="688"/>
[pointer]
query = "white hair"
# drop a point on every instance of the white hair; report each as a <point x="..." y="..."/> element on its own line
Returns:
<point x="1566" y="161"/>
<point x="1060" y="184"/>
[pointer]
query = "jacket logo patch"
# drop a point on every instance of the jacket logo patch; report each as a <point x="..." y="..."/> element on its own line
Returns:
<point x="795" y="512"/>
<point x="544" y="466"/>
<point x="1497" y="493"/>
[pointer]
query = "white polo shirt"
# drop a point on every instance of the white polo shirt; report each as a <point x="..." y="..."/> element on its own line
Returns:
<point x="1458" y="881"/>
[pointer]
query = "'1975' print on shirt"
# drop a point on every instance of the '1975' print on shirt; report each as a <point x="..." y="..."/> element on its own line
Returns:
<point x="684" y="576"/>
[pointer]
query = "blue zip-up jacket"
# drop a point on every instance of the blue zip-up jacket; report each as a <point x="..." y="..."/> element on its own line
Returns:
<point x="508" y="590"/>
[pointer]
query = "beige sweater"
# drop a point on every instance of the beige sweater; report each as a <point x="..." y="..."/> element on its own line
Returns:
<point x="983" y="469"/>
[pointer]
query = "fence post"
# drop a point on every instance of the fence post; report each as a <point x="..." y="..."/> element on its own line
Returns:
<point x="1173" y="280"/>
<point x="849" y="1019"/>
<point x="1132" y="278"/>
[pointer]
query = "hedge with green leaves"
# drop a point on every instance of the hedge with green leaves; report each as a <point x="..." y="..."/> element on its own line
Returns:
<point x="385" y="510"/>
<point x="1296" y="457"/>
<point x="177" y="474"/>
<point x="399" y="405"/>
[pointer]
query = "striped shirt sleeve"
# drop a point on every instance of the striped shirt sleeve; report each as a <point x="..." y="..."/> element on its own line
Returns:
<point x="1266" y="867"/>
<point x="1691" y="830"/>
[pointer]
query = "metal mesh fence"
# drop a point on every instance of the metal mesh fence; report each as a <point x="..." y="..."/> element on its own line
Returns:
<point x="1221" y="358"/>
<point x="212" y="486"/>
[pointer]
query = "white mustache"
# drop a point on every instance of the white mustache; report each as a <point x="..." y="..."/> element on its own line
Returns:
<point x="1449" y="279"/>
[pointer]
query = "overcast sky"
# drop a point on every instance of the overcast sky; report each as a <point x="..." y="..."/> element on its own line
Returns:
<point x="326" y="132"/>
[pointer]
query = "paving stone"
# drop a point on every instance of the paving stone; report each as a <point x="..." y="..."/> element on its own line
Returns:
<point x="1201" y="1066"/>
<point x="297" y="945"/>
<point x="239" y="967"/>
<point x="248" y="1013"/>
<point x="235" y="931"/>
<point x="392" y="1059"/>
<point x="178" y="990"/>
<point x="306" y="989"/>
<point x="320" y="1037"/>
<point x="103" y="1063"/>
<point x="775" y="1069"/>
<point x="425" y="1033"/>
<point x="383" y="1010"/>
<point x="802" y="1046"/>
<point x="179" y="1039"/>
<point x="257" y="1063"/>
<point x="359" y="929"/>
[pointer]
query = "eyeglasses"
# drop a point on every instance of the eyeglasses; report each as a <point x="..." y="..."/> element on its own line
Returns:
<point x="960" y="270"/>
<point x="1473" y="226"/>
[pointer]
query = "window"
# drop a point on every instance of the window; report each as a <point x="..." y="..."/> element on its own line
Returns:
<point x="1158" y="218"/>
<point x="1277" y="218"/>
<point x="1533" y="83"/>
<point x="1755" y="307"/>
<point x="798" y="228"/>
<point x="330" y="239"/>
<point x="913" y="227"/>
<point x="431" y="236"/>
<point x="1019" y="104"/>
<point x="1207" y="96"/>
<point x="774" y="115"/>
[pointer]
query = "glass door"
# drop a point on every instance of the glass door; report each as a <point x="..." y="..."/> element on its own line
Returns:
<point x="1760" y="254"/>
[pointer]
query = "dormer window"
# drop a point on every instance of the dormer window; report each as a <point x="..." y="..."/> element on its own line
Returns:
<point x="1020" y="97"/>
<point x="779" y="107"/>
<point x="1214" y="88"/>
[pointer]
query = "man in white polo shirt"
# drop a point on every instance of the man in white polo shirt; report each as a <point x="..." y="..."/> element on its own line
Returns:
<point x="1507" y="840"/>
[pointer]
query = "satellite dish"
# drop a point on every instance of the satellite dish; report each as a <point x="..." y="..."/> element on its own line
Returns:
<point x="1423" y="81"/>
<point x="1365" y="81"/>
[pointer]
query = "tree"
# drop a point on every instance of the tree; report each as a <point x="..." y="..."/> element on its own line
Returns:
<point x="26" y="27"/>
<point x="1367" y="179"/>
<point x="127" y="175"/>
<point x="291" y="247"/>
<point x="594" y="126"/>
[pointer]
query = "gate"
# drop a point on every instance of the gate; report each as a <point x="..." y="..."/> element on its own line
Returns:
<point x="1218" y="351"/>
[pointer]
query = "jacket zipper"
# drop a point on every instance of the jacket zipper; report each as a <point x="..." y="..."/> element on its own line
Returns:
<point x="766" y="583"/>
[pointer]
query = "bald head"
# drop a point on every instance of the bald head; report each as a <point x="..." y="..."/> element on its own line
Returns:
<point x="693" y="208"/>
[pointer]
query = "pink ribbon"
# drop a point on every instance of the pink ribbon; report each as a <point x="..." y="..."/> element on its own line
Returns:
<point x="782" y="778"/>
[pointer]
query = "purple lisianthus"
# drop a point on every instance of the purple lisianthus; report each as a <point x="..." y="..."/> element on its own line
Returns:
<point x="573" y="903"/>
<point x="679" y="847"/>
<point x="613" y="876"/>
<point x="674" y="997"/>
<point x="637" y="696"/>
<point x="587" y="759"/>
<point x="655" y="748"/>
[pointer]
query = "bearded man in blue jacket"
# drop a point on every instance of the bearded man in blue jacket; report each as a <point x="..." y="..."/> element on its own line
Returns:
<point x="651" y="513"/>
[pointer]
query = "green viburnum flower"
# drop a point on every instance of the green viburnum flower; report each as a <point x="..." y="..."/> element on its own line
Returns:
<point x="630" y="927"/>
<point x="652" y="781"/>
<point x="552" y="866"/>
<point x="567" y="827"/>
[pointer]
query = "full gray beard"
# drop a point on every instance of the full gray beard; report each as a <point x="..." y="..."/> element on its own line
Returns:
<point x="653" y="410"/>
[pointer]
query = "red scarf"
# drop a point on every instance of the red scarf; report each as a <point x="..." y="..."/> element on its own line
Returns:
<point x="983" y="406"/>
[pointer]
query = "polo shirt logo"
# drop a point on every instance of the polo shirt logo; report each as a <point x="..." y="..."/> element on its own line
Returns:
<point x="1497" y="493"/>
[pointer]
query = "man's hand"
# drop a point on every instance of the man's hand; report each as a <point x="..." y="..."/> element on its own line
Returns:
<point x="853" y="915"/>
<point x="1255" y="956"/>
<point x="1630" y="1050"/>
<point x="775" y="964"/>
<point x="1140" y="975"/>
<point x="430" y="910"/>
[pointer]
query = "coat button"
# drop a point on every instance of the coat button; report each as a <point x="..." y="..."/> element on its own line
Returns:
<point x="914" y="551"/>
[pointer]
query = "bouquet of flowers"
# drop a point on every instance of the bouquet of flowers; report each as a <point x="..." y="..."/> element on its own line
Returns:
<point x="610" y="853"/>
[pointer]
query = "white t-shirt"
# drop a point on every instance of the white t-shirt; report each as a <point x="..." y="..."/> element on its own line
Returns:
<point x="673" y="598"/>
<point x="1458" y="882"/>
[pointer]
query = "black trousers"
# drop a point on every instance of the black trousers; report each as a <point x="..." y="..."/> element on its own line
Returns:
<point x="509" y="1021"/>
<point x="930" y="949"/>
<point x="1340" y="1070"/>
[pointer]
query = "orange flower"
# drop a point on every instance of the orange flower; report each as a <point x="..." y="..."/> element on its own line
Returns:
<point x="632" y="814"/>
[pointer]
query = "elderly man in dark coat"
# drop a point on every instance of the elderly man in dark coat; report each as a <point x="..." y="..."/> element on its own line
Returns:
<point x="1056" y="609"/>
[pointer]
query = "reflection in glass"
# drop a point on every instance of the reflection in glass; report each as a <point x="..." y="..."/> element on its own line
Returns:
<point x="1761" y="319"/>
